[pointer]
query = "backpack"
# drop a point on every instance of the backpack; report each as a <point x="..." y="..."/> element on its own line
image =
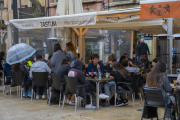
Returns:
<point x="55" y="97"/>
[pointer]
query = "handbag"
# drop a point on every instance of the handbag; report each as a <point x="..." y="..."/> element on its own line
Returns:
<point x="172" y="98"/>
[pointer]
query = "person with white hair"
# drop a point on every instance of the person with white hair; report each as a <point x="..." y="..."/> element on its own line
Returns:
<point x="143" y="48"/>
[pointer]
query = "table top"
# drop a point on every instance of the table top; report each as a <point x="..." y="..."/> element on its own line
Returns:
<point x="96" y="79"/>
<point x="175" y="87"/>
<point x="173" y="75"/>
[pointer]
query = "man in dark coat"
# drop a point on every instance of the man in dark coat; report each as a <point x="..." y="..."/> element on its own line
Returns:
<point x="143" y="48"/>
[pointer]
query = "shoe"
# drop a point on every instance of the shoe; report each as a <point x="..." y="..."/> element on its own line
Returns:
<point x="25" y="94"/>
<point x="89" y="107"/>
<point x="125" y="102"/>
<point x="43" y="97"/>
<point x="37" y="97"/>
<point x="29" y="94"/>
<point x="119" y="103"/>
<point x="106" y="104"/>
<point x="103" y="96"/>
<point x="71" y="102"/>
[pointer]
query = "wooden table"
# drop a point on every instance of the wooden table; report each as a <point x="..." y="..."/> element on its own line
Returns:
<point x="97" y="80"/>
<point x="178" y="88"/>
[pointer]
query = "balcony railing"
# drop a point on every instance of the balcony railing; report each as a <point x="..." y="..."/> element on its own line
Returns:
<point x="87" y="1"/>
<point x="29" y="12"/>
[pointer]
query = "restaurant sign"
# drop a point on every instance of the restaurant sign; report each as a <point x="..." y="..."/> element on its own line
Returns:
<point x="160" y="10"/>
<point x="53" y="22"/>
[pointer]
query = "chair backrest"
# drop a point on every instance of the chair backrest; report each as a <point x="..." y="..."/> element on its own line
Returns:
<point x="56" y="81"/>
<point x="153" y="96"/>
<point x="136" y="79"/>
<point x="40" y="78"/>
<point x="71" y="84"/>
<point x="17" y="78"/>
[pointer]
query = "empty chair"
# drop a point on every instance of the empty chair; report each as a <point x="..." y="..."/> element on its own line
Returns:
<point x="40" y="79"/>
<point x="118" y="91"/>
<point x="71" y="87"/>
<point x="57" y="85"/>
<point x="154" y="98"/>
<point x="135" y="85"/>
<point x="17" y="80"/>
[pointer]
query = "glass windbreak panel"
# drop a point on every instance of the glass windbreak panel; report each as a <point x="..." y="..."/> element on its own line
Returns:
<point x="105" y="42"/>
<point x="163" y="51"/>
<point x="176" y="55"/>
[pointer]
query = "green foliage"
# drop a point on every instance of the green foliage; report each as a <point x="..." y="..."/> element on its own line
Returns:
<point x="88" y="52"/>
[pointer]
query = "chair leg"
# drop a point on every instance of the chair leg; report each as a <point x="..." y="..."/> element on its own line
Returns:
<point x="165" y="113"/>
<point x="10" y="93"/>
<point x="60" y="100"/>
<point x="133" y="101"/>
<point x="47" y="94"/>
<point x="63" y="102"/>
<point x="75" y="102"/>
<point x="134" y="96"/>
<point x="21" y="93"/>
<point x="115" y="95"/>
<point x="50" y="99"/>
<point x="32" y="95"/>
<point x="17" y="91"/>
<point x="142" y="113"/>
<point x="141" y="99"/>
<point x="91" y="100"/>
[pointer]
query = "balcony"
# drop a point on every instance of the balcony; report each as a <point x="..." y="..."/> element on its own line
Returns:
<point x="29" y="12"/>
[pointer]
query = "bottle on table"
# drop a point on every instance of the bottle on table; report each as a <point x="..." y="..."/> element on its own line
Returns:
<point x="99" y="74"/>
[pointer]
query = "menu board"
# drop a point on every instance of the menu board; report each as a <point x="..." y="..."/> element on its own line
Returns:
<point x="107" y="45"/>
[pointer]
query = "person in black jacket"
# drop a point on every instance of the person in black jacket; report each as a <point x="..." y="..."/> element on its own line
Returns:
<point x="28" y="82"/>
<point x="143" y="48"/>
<point x="120" y="74"/>
<point x="76" y="71"/>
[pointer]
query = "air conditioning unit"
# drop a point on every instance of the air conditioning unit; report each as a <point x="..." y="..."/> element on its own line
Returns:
<point x="87" y="1"/>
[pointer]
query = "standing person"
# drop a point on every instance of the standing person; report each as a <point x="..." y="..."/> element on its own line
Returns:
<point x="71" y="52"/>
<point x="57" y="57"/>
<point x="39" y="66"/>
<point x="137" y="51"/>
<point x="143" y="48"/>
<point x="77" y="72"/>
<point x="158" y="78"/>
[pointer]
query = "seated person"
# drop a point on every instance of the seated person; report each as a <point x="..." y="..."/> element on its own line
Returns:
<point x="109" y="65"/>
<point x="129" y="59"/>
<point x="121" y="59"/>
<point x="20" y="67"/>
<point x="158" y="78"/>
<point x="144" y="63"/>
<point x="7" y="70"/>
<point x="157" y="59"/>
<point x="2" y="57"/>
<point x="77" y="72"/>
<point x="43" y="58"/>
<point x="39" y="66"/>
<point x="120" y="74"/>
<point x="96" y="66"/>
<point x="64" y="68"/>
<point x="49" y="60"/>
<point x="133" y="69"/>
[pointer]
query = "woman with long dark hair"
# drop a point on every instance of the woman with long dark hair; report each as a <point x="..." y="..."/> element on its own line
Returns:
<point x="120" y="74"/>
<point x="71" y="52"/>
<point x="158" y="78"/>
<point x="28" y="82"/>
<point x="57" y="57"/>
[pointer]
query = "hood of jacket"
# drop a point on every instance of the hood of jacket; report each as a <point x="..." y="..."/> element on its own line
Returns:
<point x="38" y="64"/>
<point x="143" y="44"/>
<point x="78" y="64"/>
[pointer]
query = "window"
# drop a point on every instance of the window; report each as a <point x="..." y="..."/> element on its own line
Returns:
<point x="149" y="43"/>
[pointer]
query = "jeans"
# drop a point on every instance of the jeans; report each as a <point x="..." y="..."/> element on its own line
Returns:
<point x="44" y="90"/>
<point x="138" y="58"/>
<point x="107" y="87"/>
<point x="28" y="84"/>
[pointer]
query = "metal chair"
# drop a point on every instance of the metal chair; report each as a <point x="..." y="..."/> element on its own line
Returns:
<point x="5" y="77"/>
<point x="130" y="91"/>
<point x="17" y="79"/>
<point x="154" y="98"/>
<point x="57" y="85"/>
<point x="71" y="87"/>
<point x="40" y="79"/>
<point x="135" y="85"/>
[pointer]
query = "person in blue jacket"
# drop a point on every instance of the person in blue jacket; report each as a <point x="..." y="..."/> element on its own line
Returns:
<point x="95" y="65"/>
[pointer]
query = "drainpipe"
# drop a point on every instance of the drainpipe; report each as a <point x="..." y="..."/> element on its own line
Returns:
<point x="108" y="5"/>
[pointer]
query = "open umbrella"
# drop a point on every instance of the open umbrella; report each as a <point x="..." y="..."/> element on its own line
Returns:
<point x="19" y="53"/>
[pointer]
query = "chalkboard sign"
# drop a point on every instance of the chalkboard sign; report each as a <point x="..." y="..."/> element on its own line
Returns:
<point x="107" y="45"/>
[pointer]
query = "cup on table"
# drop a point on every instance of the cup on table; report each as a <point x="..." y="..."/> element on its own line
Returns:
<point x="107" y="75"/>
<point x="175" y="82"/>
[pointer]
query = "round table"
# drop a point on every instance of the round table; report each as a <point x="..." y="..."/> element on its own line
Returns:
<point x="98" y="80"/>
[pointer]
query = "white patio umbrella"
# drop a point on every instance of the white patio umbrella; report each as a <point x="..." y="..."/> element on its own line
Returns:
<point x="67" y="7"/>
